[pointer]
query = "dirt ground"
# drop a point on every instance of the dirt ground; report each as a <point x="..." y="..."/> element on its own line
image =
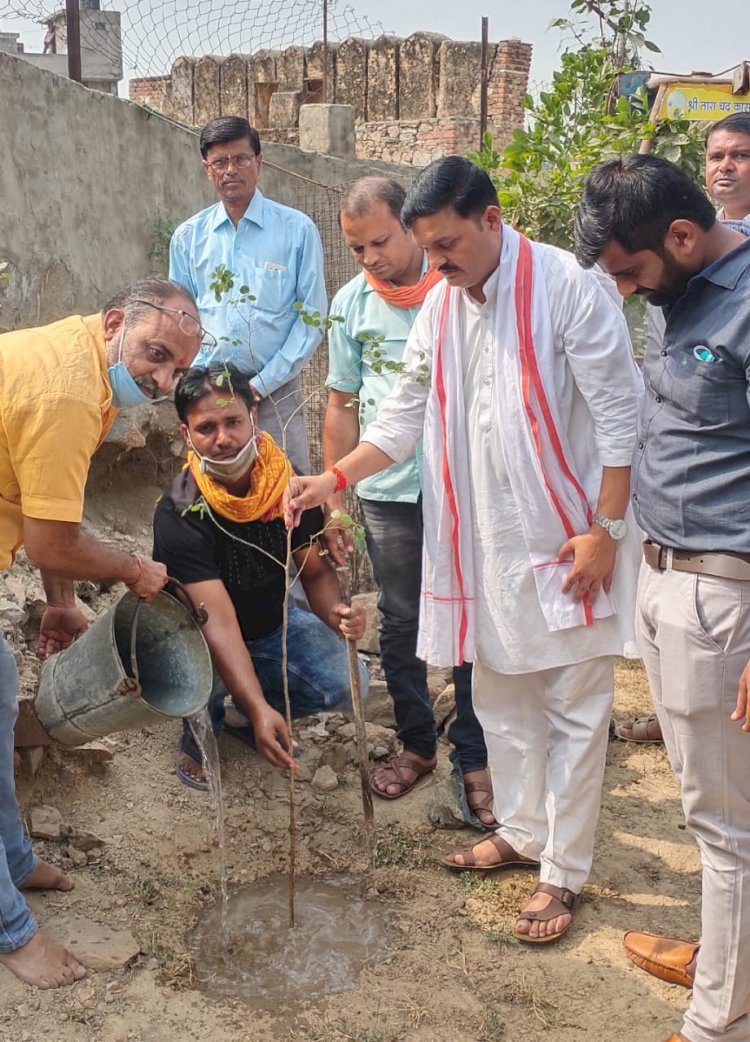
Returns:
<point x="453" y="974"/>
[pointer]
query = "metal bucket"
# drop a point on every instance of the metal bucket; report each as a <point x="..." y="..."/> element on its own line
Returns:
<point x="138" y="664"/>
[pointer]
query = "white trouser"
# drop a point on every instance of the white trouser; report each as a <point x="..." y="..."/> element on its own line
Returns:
<point x="546" y="736"/>
<point x="694" y="636"/>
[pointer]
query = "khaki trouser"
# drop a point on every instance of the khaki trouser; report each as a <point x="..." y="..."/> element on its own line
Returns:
<point x="694" y="636"/>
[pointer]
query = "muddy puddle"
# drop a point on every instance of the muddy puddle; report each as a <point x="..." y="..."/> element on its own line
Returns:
<point x="337" y="934"/>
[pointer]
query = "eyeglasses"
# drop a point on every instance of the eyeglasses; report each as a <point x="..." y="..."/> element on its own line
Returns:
<point x="240" y="161"/>
<point x="187" y="324"/>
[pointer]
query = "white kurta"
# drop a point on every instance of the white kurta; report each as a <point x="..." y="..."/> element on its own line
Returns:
<point x="597" y="385"/>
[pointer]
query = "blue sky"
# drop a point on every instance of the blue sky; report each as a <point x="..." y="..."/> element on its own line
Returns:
<point x="689" y="39"/>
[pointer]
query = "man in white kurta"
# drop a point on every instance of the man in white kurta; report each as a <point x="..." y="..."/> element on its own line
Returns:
<point x="542" y="631"/>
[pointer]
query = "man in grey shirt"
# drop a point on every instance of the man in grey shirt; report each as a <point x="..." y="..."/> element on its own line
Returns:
<point x="656" y="233"/>
<point x="728" y="182"/>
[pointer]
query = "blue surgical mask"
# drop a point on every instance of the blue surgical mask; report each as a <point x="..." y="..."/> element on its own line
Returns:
<point x="126" y="394"/>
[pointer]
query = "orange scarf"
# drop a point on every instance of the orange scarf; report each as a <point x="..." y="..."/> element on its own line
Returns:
<point x="263" y="500"/>
<point x="404" y="296"/>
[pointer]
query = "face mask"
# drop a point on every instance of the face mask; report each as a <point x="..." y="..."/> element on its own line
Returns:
<point x="229" y="469"/>
<point x="126" y="394"/>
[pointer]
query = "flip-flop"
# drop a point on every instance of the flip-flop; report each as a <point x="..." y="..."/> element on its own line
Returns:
<point x="564" y="902"/>
<point x="509" y="858"/>
<point x="188" y="746"/>
<point x="395" y="764"/>
<point x="639" y="728"/>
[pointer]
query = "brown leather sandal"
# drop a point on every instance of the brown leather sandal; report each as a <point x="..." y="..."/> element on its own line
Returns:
<point x="564" y="902"/>
<point x="395" y="765"/>
<point x="509" y="858"/>
<point x="482" y="805"/>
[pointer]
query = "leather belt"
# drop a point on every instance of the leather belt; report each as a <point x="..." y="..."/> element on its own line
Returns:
<point x="722" y="565"/>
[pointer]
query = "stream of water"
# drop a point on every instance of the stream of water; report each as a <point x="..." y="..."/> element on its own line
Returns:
<point x="203" y="733"/>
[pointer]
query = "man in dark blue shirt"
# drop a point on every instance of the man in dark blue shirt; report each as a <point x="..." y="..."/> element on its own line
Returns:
<point x="657" y="234"/>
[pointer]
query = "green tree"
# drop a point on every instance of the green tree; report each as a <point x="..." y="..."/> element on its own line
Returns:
<point x="580" y="120"/>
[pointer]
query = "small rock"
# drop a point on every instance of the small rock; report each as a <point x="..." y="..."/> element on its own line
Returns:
<point x="334" y="756"/>
<point x="303" y="773"/>
<point x="379" y="705"/>
<point x="78" y="857"/>
<point x="444" y="705"/>
<point x="380" y="752"/>
<point x="99" y="947"/>
<point x="376" y="735"/>
<point x="351" y="752"/>
<point x="444" y="809"/>
<point x="325" y="780"/>
<point x="11" y="614"/>
<point x="45" y="822"/>
<point x="15" y="589"/>
<point x="81" y="839"/>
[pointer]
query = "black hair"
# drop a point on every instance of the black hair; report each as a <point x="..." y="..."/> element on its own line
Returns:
<point x="633" y="200"/>
<point x="201" y="380"/>
<point x="359" y="196"/>
<point x="225" y="129"/>
<point x="156" y="289"/>
<point x="454" y="182"/>
<point x="738" y="123"/>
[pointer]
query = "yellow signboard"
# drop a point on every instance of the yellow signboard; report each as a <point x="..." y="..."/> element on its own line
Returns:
<point x="702" y="101"/>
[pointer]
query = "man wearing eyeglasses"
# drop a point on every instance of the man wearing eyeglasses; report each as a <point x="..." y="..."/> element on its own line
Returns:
<point x="61" y="386"/>
<point x="272" y="250"/>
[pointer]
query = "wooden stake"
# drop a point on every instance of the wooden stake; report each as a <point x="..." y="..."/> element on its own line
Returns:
<point x="359" y="723"/>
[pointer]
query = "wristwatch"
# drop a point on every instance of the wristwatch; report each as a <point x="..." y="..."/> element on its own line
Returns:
<point x="614" y="527"/>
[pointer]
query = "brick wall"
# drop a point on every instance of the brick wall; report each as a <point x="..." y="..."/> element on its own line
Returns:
<point x="151" y="91"/>
<point x="414" y="99"/>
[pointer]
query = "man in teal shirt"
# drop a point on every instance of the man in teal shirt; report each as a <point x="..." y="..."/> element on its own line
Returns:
<point x="376" y="310"/>
<point x="276" y="253"/>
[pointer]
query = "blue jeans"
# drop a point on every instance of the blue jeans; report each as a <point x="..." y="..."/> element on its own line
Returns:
<point x="317" y="668"/>
<point x="17" y="860"/>
<point x="394" y="543"/>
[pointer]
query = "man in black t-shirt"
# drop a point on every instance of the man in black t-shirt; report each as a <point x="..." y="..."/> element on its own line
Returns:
<point x="219" y="529"/>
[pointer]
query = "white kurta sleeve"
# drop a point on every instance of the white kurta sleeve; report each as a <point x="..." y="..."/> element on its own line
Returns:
<point x="597" y="346"/>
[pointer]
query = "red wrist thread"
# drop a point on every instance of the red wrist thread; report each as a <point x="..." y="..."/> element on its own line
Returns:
<point x="139" y="562"/>
<point x="341" y="482"/>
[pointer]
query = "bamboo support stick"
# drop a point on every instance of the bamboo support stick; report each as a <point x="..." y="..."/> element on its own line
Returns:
<point x="359" y="723"/>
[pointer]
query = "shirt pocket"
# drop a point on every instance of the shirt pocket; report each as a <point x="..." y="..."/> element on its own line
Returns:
<point x="701" y="391"/>
<point x="273" y="288"/>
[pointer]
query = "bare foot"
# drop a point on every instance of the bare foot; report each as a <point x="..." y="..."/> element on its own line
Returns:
<point x="47" y="877"/>
<point x="478" y="788"/>
<point x="43" y="963"/>
<point x="397" y="777"/>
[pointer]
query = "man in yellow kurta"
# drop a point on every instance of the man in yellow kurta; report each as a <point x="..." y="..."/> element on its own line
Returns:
<point x="61" y="386"/>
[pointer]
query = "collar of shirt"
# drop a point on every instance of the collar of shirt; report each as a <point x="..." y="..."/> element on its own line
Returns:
<point x="489" y="289"/>
<point x="253" y="213"/>
<point x="726" y="271"/>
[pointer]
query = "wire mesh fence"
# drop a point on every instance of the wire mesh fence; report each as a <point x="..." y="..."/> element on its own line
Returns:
<point x="154" y="33"/>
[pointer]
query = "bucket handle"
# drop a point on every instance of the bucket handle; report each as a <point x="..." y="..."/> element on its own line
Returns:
<point x="197" y="612"/>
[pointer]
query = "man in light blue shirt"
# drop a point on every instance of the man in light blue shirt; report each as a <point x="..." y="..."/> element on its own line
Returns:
<point x="276" y="259"/>
<point x="377" y="309"/>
